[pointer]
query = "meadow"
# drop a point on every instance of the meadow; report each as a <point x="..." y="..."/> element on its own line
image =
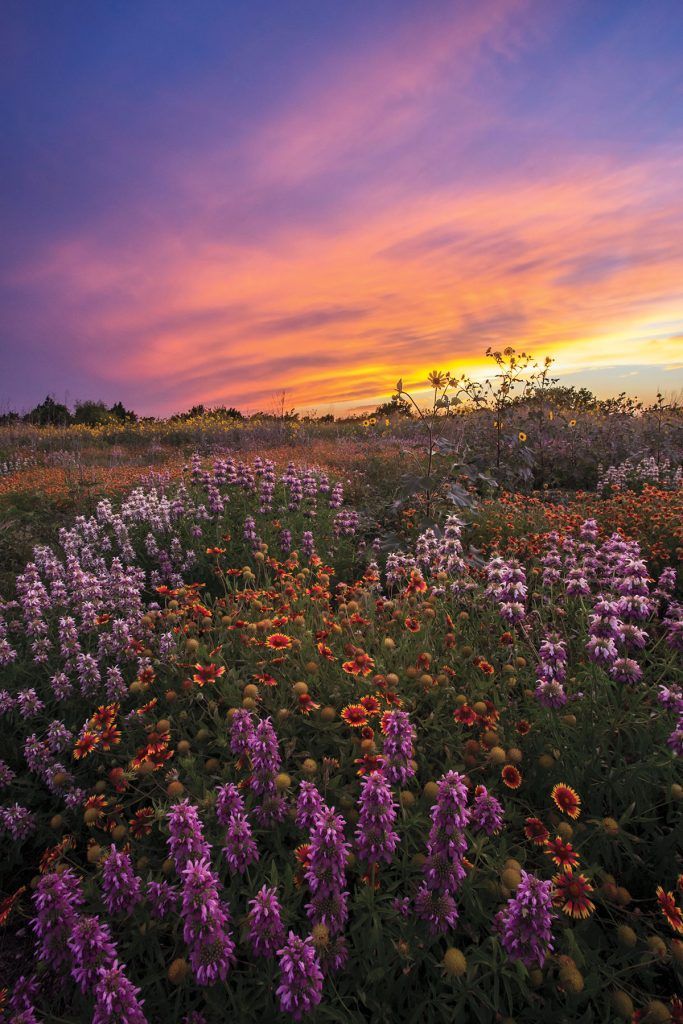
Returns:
<point x="376" y="720"/>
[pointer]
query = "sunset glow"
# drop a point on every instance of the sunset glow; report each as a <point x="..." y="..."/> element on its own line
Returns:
<point x="216" y="203"/>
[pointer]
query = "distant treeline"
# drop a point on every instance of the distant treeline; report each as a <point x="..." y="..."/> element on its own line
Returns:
<point x="94" y="413"/>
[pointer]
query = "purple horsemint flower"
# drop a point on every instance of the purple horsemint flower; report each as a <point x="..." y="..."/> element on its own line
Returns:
<point x="205" y="924"/>
<point x="550" y="693"/>
<point x="241" y="732"/>
<point x="337" y="496"/>
<point x="265" y="758"/>
<point x="525" y="924"/>
<point x="486" y="814"/>
<point x="240" y="849"/>
<point x="626" y="670"/>
<point x="602" y="650"/>
<point x="307" y="544"/>
<point x="120" y="885"/>
<point x="301" y="979"/>
<point x="285" y="541"/>
<point x="186" y="837"/>
<point x="437" y="909"/>
<point x="673" y="623"/>
<point x="326" y="874"/>
<point x="25" y="1016"/>
<point x="91" y="948"/>
<point x="116" y="998"/>
<point x="25" y="992"/>
<point x="444" y="869"/>
<point x="29" y="703"/>
<point x="376" y="839"/>
<point x="6" y="774"/>
<point x="266" y="931"/>
<point x="18" y="821"/>
<point x="162" y="898"/>
<point x="309" y="803"/>
<point x="228" y="800"/>
<point x="397" y="750"/>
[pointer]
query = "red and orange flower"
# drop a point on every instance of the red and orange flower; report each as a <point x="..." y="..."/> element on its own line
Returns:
<point x="571" y="893"/>
<point x="536" y="832"/>
<point x="355" y="715"/>
<point x="668" y="907"/>
<point x="566" y="800"/>
<point x="563" y="854"/>
<point x="279" y="641"/>
<point x="511" y="776"/>
<point x="207" y="673"/>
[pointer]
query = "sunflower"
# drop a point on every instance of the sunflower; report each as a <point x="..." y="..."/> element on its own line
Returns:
<point x="511" y="776"/>
<point x="571" y="894"/>
<point x="536" y="832"/>
<point x="566" y="800"/>
<point x="279" y="641"/>
<point x="563" y="854"/>
<point x="667" y="905"/>
<point x="355" y="715"/>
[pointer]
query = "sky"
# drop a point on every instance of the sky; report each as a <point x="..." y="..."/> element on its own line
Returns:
<point x="217" y="202"/>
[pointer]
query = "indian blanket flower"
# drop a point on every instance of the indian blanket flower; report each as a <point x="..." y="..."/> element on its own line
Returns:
<point x="116" y="998"/>
<point x="355" y="715"/>
<point x="486" y="812"/>
<point x="668" y="907"/>
<point x="562" y="854"/>
<point x="397" y="751"/>
<point x="57" y="901"/>
<point x="525" y="924"/>
<point x="266" y="931"/>
<point x="301" y="979"/>
<point x="240" y="848"/>
<point x="566" y="800"/>
<point x="205" y="923"/>
<point x="511" y="776"/>
<point x="120" y="885"/>
<point x="571" y="893"/>
<point x="376" y="839"/>
<point x="536" y="832"/>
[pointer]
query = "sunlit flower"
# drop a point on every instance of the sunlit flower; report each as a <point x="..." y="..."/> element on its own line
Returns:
<point x="566" y="800"/>
<point x="522" y="436"/>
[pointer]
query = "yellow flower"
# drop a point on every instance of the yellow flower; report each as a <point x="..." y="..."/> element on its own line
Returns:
<point x="572" y="423"/>
<point x="522" y="435"/>
<point x="551" y="415"/>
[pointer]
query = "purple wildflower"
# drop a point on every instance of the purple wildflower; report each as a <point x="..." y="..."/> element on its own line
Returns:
<point x="301" y="980"/>
<point x="525" y="924"/>
<point x="266" y="931"/>
<point x="376" y="839"/>
<point x="398" y="747"/>
<point x="240" y="848"/>
<point x="120" y="884"/>
<point x="116" y="998"/>
<point x="486" y="812"/>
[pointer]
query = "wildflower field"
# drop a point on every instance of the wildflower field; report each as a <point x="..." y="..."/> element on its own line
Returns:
<point x="294" y="731"/>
